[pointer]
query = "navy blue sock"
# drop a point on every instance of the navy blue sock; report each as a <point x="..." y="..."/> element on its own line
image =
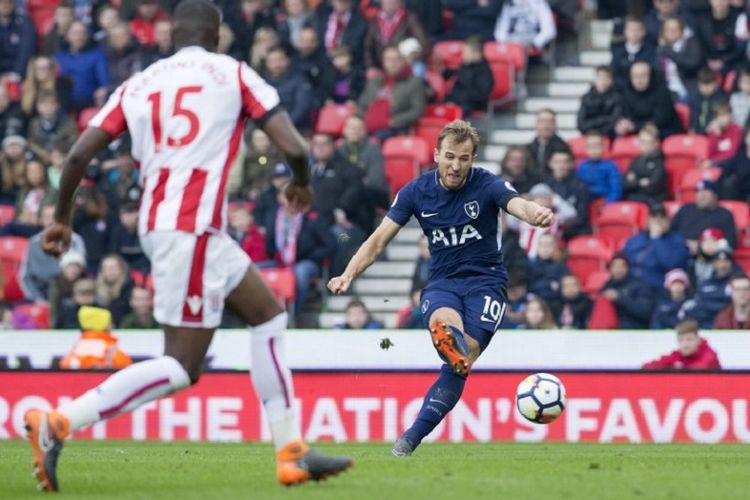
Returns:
<point x="460" y="338"/>
<point x="440" y="399"/>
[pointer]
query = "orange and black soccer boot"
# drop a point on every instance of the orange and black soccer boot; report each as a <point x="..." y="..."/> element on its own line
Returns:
<point x="46" y="431"/>
<point x="296" y="463"/>
<point x="452" y="350"/>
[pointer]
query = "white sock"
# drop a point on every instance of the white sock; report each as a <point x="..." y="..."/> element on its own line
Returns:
<point x="273" y="380"/>
<point x="126" y="390"/>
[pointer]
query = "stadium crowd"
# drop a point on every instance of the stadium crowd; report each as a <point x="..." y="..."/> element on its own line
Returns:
<point x="680" y="69"/>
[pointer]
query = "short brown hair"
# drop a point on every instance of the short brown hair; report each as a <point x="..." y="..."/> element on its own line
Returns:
<point x="650" y="129"/>
<point x="459" y="132"/>
<point x="475" y="43"/>
<point x="722" y="108"/>
<point x="687" y="326"/>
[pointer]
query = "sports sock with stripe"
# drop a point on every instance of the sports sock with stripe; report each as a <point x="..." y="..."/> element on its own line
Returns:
<point x="126" y="390"/>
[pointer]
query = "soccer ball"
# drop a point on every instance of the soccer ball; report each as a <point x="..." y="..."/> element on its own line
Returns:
<point x="540" y="398"/>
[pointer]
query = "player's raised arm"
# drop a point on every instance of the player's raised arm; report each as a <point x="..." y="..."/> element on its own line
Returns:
<point x="530" y="212"/>
<point x="365" y="256"/>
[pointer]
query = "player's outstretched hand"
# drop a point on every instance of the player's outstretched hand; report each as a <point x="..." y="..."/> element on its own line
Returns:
<point x="339" y="284"/>
<point x="299" y="198"/>
<point x="56" y="239"/>
<point x="541" y="216"/>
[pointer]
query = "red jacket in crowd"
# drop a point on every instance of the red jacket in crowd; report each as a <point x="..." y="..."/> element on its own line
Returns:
<point x="704" y="358"/>
<point x="726" y="320"/>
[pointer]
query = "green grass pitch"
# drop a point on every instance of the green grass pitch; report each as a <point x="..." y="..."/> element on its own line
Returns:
<point x="178" y="471"/>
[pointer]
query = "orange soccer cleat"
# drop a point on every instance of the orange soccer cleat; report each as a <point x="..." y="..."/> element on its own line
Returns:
<point x="449" y="348"/>
<point x="46" y="431"/>
<point x="297" y="463"/>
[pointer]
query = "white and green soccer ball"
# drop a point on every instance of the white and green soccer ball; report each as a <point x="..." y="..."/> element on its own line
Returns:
<point x="540" y="398"/>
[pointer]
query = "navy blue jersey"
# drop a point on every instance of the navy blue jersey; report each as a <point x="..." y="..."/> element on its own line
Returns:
<point x="461" y="225"/>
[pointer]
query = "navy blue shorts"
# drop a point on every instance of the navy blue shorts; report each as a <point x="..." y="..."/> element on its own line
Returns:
<point x="479" y="300"/>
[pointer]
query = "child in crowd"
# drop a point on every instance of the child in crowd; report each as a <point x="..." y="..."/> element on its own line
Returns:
<point x="724" y="135"/>
<point x="740" y="100"/>
<point x="600" y="175"/>
<point x="668" y="311"/>
<point x="601" y="105"/>
<point x="646" y="179"/>
<point x="709" y="95"/>
<point x="573" y="308"/>
<point x="349" y="80"/>
<point x="546" y="270"/>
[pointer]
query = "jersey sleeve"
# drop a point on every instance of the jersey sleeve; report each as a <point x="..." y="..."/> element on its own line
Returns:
<point x="259" y="99"/>
<point x="403" y="205"/>
<point x="111" y="118"/>
<point x="502" y="192"/>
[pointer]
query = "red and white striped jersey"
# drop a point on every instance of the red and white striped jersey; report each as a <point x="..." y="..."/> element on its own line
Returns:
<point x="186" y="115"/>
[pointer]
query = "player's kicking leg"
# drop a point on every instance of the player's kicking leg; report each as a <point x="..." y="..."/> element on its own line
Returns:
<point x="459" y="351"/>
<point x="253" y="302"/>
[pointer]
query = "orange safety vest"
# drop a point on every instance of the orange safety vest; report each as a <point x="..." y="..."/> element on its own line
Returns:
<point x="95" y="350"/>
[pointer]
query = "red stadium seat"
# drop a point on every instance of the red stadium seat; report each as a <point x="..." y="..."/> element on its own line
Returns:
<point x="428" y="128"/>
<point x="578" y="147"/>
<point x="13" y="248"/>
<point x="503" y="76"/>
<point x="39" y="313"/>
<point x="281" y="282"/>
<point x="85" y="116"/>
<point x="447" y="111"/>
<point x="595" y="210"/>
<point x="506" y="52"/>
<point x="7" y="214"/>
<point x="449" y="54"/>
<point x="683" y="113"/>
<point x="672" y="207"/>
<point x="595" y="282"/>
<point x="12" y="253"/>
<point x="332" y="117"/>
<point x="620" y="220"/>
<point x="587" y="255"/>
<point x="740" y="213"/>
<point x="438" y="85"/>
<point x="682" y="152"/>
<point x="729" y="80"/>
<point x="624" y="151"/>
<point x="691" y="178"/>
<point x="42" y="13"/>
<point x="403" y="157"/>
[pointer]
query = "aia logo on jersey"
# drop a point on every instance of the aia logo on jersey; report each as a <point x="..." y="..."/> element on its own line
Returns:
<point x="472" y="209"/>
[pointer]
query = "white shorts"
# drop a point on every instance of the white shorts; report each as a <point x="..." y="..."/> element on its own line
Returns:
<point x="193" y="274"/>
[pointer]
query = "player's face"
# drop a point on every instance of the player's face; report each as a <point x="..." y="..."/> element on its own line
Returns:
<point x="454" y="161"/>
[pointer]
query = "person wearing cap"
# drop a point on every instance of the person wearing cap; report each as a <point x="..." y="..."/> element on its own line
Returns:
<point x="633" y="298"/>
<point x="736" y="316"/>
<point x="392" y="25"/>
<point x="693" y="218"/>
<point x="84" y="294"/>
<point x="413" y="53"/>
<point x="712" y="295"/>
<point x="693" y="352"/>
<point x="669" y="310"/>
<point x="72" y="267"/>
<point x="710" y="242"/>
<point x="656" y="250"/>
<point x="473" y="84"/>
<point x="97" y="348"/>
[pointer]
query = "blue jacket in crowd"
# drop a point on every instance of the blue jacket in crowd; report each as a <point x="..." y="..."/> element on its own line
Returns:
<point x="542" y="275"/>
<point x="17" y="44"/>
<point x="635" y="303"/>
<point x="651" y="258"/>
<point x="87" y="69"/>
<point x="710" y="298"/>
<point x="667" y="313"/>
<point x="601" y="178"/>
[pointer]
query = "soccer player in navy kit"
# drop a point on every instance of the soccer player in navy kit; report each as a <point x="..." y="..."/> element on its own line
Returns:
<point x="457" y="206"/>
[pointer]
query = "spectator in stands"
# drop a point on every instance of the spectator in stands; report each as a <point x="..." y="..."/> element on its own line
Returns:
<point x="716" y="33"/>
<point x="414" y="55"/>
<point x="600" y="175"/>
<point x="295" y="17"/>
<point x="12" y="167"/>
<point x="526" y="22"/>
<point x="709" y="95"/>
<point x="294" y="89"/>
<point x="410" y="317"/>
<point x="35" y="193"/>
<point x="736" y="316"/>
<point x="739" y="101"/>
<point x="348" y="79"/>
<point x="54" y="40"/>
<point x="368" y="157"/>
<point x="113" y="286"/>
<point x="669" y="309"/>
<point x="124" y="55"/>
<point x="516" y="167"/>
<point x="266" y="203"/>
<point x="393" y="102"/>
<point x="735" y="174"/>
<point x="693" y="218"/>
<point x="254" y="174"/>
<point x="430" y="15"/>
<point x="570" y="188"/>
<point x="358" y="317"/>
<point x="633" y="299"/>
<point x="646" y="99"/>
<point x="72" y="265"/>
<point x="163" y="46"/>
<point x="473" y="18"/>
<point x="141" y="315"/>
<point x="693" y="352"/>
<point x="546" y="140"/>
<point x="653" y="252"/>
<point x="513" y="255"/>
<point x="51" y="126"/>
<point x="601" y="105"/>
<point x="547" y="269"/>
<point x="84" y="294"/>
<point x="124" y="240"/>
<point x="56" y="159"/>
<point x="39" y="269"/>
<point x="12" y="120"/>
<point x="92" y="220"/>
<point x="724" y="136"/>
<point x="265" y="39"/>
<point x="681" y="56"/>
<point x="537" y="315"/>
<point x="515" y="311"/>
<point x="86" y="65"/>
<point x="96" y="348"/>
<point x="246" y="18"/>
<point x="149" y="13"/>
<point x="250" y="235"/>
<point x="711" y="242"/>
<point x="528" y="236"/>
<point x="341" y="23"/>
<point x="473" y="85"/>
<point x="646" y="178"/>
<point x="17" y="41"/>
<point x="712" y="295"/>
<point x="106" y="18"/>
<point x="663" y="11"/>
<point x="312" y="61"/>
<point x="572" y="309"/>
<point x="41" y="76"/>
<point x="226" y="43"/>
<point x="421" y="273"/>
<point x="392" y="25"/>
<point x="636" y="48"/>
